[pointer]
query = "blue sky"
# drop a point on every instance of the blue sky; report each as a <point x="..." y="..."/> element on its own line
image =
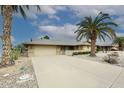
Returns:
<point x="58" y="22"/>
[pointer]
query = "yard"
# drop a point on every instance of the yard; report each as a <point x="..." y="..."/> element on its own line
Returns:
<point x="100" y="57"/>
<point x="20" y="75"/>
<point x="60" y="71"/>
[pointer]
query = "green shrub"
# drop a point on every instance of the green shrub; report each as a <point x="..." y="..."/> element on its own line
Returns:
<point x="78" y="53"/>
<point x="16" y="53"/>
<point x="17" y="50"/>
<point x="98" y="49"/>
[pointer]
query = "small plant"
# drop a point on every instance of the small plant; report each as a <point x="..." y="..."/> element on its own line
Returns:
<point x="16" y="51"/>
<point x="15" y="54"/>
<point x="98" y="49"/>
<point x="79" y="53"/>
<point x="23" y="69"/>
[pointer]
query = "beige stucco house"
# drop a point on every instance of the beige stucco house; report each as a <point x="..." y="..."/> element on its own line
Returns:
<point x="108" y="47"/>
<point x="52" y="47"/>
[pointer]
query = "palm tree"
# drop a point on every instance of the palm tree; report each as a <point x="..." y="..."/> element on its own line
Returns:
<point x="99" y="27"/>
<point x="45" y="37"/>
<point x="120" y="42"/>
<point x="7" y="13"/>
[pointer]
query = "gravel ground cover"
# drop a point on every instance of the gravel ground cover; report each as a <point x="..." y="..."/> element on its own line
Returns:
<point x="100" y="55"/>
<point x="20" y="75"/>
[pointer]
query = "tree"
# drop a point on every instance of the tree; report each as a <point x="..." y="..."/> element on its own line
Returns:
<point x="7" y="13"/>
<point x="120" y="42"/>
<point x="45" y="37"/>
<point x="99" y="27"/>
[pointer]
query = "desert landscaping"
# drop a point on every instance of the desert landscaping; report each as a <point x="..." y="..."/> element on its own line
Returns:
<point x="102" y="56"/>
<point x="21" y="75"/>
<point x="73" y="71"/>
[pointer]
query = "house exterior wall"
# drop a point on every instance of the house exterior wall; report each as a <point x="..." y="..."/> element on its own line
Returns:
<point x="78" y="49"/>
<point x="85" y="48"/>
<point x="38" y="50"/>
<point x="30" y="51"/>
<point x="41" y="50"/>
<point x="60" y="50"/>
<point x="82" y="48"/>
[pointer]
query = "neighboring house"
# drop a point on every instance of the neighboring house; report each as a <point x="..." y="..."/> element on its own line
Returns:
<point x="51" y="47"/>
<point x="115" y="47"/>
<point x="107" y="47"/>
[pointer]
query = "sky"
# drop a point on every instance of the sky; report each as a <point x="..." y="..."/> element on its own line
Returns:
<point x="59" y="22"/>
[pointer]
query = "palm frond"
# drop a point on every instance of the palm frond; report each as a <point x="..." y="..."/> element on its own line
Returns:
<point x="21" y="9"/>
<point x="101" y="18"/>
<point x="27" y="7"/>
<point x="101" y="37"/>
<point x="22" y="12"/>
<point x="38" y="8"/>
<point x="101" y="27"/>
<point x="15" y="8"/>
<point x="97" y="18"/>
<point x="106" y="34"/>
<point x="107" y="24"/>
<point x="1" y="9"/>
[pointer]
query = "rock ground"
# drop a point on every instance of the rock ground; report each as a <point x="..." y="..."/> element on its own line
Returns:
<point x="100" y="55"/>
<point x="10" y="76"/>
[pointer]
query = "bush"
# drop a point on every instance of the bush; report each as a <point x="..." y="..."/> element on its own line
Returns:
<point x="98" y="49"/>
<point x="78" y="53"/>
<point x="111" y="58"/>
<point x="85" y="53"/>
<point x="16" y="53"/>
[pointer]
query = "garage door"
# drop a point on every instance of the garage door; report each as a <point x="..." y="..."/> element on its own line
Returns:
<point x="44" y="50"/>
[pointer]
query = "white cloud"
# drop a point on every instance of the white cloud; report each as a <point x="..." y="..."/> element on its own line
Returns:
<point x="120" y="22"/>
<point x="31" y="15"/>
<point x="50" y="10"/>
<point x="53" y="17"/>
<point x="120" y="34"/>
<point x="65" y="32"/>
<point x="39" y="23"/>
<point x="79" y="10"/>
<point x="87" y="10"/>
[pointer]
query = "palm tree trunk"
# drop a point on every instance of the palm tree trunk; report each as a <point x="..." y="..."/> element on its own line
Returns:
<point x="93" y="45"/>
<point x="7" y="17"/>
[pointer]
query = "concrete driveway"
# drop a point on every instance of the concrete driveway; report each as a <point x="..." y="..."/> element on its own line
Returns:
<point x="70" y="72"/>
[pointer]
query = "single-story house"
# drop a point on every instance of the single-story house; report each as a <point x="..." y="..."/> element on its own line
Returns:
<point x="107" y="47"/>
<point x="52" y="47"/>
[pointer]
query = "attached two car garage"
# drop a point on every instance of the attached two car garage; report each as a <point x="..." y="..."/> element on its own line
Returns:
<point x="41" y="50"/>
